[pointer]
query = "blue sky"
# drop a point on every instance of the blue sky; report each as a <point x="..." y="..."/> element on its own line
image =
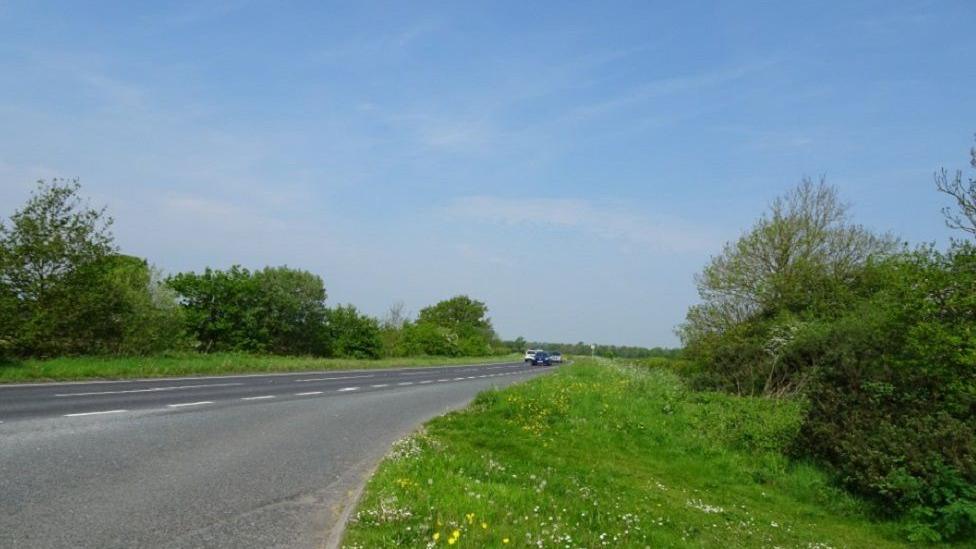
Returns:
<point x="571" y="164"/>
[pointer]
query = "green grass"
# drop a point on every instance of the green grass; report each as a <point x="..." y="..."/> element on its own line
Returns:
<point x="82" y="368"/>
<point x="600" y="454"/>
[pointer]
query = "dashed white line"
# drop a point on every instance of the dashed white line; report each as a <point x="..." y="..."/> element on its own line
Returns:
<point x="405" y="383"/>
<point x="378" y="385"/>
<point x="182" y="404"/>
<point x="459" y="379"/>
<point x="442" y="380"/>
<point x="427" y="381"/>
<point x="262" y="397"/>
<point x="310" y="393"/>
<point x="344" y="389"/>
<point x="95" y="413"/>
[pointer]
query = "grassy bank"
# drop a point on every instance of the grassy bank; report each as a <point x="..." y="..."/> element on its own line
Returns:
<point x="606" y="455"/>
<point x="82" y="368"/>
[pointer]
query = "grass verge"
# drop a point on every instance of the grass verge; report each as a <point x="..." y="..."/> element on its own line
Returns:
<point x="84" y="368"/>
<point x="603" y="455"/>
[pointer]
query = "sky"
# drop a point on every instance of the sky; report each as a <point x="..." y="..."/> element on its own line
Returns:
<point x="571" y="164"/>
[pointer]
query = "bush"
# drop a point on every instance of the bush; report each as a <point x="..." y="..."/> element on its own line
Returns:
<point x="893" y="402"/>
<point x="350" y="334"/>
<point x="277" y="309"/>
<point x="424" y="338"/>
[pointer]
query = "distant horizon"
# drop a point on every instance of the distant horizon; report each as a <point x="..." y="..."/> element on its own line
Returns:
<point x="573" y="167"/>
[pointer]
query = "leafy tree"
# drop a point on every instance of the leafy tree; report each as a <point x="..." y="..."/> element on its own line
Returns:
<point x="799" y="260"/>
<point x="964" y="195"/>
<point x="154" y="322"/>
<point x="221" y="308"/>
<point x="351" y="334"/>
<point x="278" y="310"/>
<point x="52" y="256"/>
<point x="292" y="305"/>
<point x="461" y="314"/>
<point x="466" y="322"/>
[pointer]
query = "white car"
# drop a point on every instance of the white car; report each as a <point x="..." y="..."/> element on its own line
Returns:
<point x="530" y="354"/>
<point x="556" y="358"/>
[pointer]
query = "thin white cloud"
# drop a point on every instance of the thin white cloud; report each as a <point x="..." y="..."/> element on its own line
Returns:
<point x="606" y="221"/>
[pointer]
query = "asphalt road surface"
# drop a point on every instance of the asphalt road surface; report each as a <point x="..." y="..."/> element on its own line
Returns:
<point x="230" y="461"/>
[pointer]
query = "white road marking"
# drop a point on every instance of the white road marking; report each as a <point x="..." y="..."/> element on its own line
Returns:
<point x="241" y="376"/>
<point x="181" y="404"/>
<point x="348" y="389"/>
<point x="95" y="413"/>
<point x="427" y="381"/>
<point x="331" y="378"/>
<point x="405" y="383"/>
<point x="151" y="390"/>
<point x="459" y="379"/>
<point x="310" y="393"/>
<point x="442" y="380"/>
<point x="378" y="385"/>
<point x="262" y="397"/>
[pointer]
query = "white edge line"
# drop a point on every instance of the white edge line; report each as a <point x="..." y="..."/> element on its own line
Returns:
<point x="262" y="397"/>
<point x="181" y="404"/>
<point x="310" y="393"/>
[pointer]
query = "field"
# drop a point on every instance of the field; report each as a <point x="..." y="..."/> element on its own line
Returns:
<point x="600" y="454"/>
<point x="84" y="368"/>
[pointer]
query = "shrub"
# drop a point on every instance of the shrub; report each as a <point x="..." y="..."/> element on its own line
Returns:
<point x="350" y="334"/>
<point x="893" y="402"/>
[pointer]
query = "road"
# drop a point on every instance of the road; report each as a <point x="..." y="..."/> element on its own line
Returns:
<point x="231" y="461"/>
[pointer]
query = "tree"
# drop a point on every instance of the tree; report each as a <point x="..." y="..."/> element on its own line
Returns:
<point x="804" y="241"/>
<point x="52" y="258"/>
<point x="964" y="194"/>
<point x="458" y="313"/>
<point x="220" y="308"/>
<point x="799" y="261"/>
<point x="351" y="334"/>
<point x="292" y="302"/>
<point x="278" y="310"/>
<point x="465" y="320"/>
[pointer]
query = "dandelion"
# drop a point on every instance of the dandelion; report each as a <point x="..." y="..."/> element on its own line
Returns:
<point x="484" y="525"/>
<point x="437" y="536"/>
<point x="505" y="540"/>
<point x="470" y="517"/>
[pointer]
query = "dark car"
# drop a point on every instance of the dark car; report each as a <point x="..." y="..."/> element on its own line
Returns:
<point x="541" y="358"/>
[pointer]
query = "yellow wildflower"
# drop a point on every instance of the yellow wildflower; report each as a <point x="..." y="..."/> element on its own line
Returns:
<point x="470" y="517"/>
<point x="505" y="540"/>
<point x="451" y="541"/>
<point x="437" y="536"/>
<point x="484" y="525"/>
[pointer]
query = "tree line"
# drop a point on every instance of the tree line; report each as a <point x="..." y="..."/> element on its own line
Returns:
<point x="878" y="337"/>
<point x="66" y="289"/>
